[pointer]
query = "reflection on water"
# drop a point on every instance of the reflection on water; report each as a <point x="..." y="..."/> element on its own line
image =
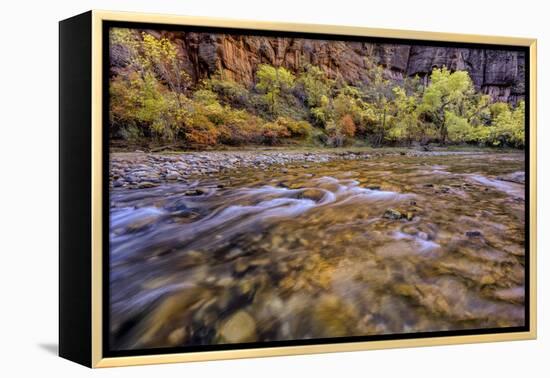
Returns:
<point x="344" y="248"/>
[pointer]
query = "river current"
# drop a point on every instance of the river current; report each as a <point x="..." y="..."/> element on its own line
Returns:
<point x="391" y="245"/>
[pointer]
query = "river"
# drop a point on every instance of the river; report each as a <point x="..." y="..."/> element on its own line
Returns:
<point x="390" y="245"/>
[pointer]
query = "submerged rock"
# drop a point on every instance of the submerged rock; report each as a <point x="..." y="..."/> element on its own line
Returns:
<point x="172" y="176"/>
<point x="313" y="194"/>
<point x="392" y="214"/>
<point x="146" y="184"/>
<point x="241" y="265"/>
<point x="195" y="192"/>
<point x="332" y="317"/>
<point x="238" y="328"/>
<point x="235" y="252"/>
<point x="514" y="294"/>
<point x="474" y="234"/>
<point x="177" y="336"/>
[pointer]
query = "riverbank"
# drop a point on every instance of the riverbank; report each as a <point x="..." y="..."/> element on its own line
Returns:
<point x="140" y="170"/>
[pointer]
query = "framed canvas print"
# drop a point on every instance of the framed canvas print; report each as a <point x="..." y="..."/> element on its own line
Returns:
<point x="234" y="189"/>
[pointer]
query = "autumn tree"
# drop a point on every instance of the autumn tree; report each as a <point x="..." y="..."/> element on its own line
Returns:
<point x="155" y="84"/>
<point x="152" y="98"/>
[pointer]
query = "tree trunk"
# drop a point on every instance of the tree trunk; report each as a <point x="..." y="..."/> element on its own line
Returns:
<point x="443" y="135"/>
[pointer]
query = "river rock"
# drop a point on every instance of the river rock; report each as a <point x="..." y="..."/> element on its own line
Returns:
<point x="142" y="223"/>
<point x="422" y="235"/>
<point x="146" y="185"/>
<point x="313" y="194"/>
<point x="177" y="336"/>
<point x="238" y="328"/>
<point x="195" y="192"/>
<point x="392" y="214"/>
<point x="172" y="176"/>
<point x="241" y="265"/>
<point x="333" y="317"/>
<point x="474" y="234"/>
<point x="234" y="252"/>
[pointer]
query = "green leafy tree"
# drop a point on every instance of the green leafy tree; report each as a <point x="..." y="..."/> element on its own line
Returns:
<point x="446" y="92"/>
<point x="379" y="94"/>
<point x="509" y="127"/>
<point x="229" y="91"/>
<point x="316" y="85"/>
<point x="406" y="124"/>
<point x="323" y="113"/>
<point x="275" y="83"/>
<point x="459" y="129"/>
<point x="476" y="108"/>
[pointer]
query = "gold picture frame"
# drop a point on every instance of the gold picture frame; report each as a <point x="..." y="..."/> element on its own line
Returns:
<point x="96" y="19"/>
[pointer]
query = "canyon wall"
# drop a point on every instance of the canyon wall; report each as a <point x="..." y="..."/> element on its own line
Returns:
<point x="498" y="73"/>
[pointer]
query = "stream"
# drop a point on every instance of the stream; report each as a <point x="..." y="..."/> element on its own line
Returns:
<point x="391" y="245"/>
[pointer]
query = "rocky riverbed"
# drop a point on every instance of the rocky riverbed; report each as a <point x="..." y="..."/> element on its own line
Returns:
<point x="146" y="170"/>
<point x="236" y="247"/>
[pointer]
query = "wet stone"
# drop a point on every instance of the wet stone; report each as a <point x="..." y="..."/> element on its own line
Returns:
<point x="474" y="234"/>
<point x="313" y="194"/>
<point x="146" y="185"/>
<point x="238" y="328"/>
<point x="195" y="192"/>
<point x="241" y="265"/>
<point x="392" y="214"/>
<point x="235" y="252"/>
<point x="177" y="336"/>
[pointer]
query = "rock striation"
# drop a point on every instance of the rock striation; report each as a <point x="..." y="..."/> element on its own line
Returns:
<point x="498" y="73"/>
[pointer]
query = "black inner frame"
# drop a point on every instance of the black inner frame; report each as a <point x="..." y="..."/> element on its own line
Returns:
<point x="107" y="352"/>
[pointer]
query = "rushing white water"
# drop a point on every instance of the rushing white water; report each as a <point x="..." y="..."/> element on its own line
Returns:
<point x="243" y="210"/>
<point x="507" y="187"/>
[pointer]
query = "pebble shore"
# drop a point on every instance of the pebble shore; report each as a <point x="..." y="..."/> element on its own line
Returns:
<point x="145" y="170"/>
<point x="138" y="170"/>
